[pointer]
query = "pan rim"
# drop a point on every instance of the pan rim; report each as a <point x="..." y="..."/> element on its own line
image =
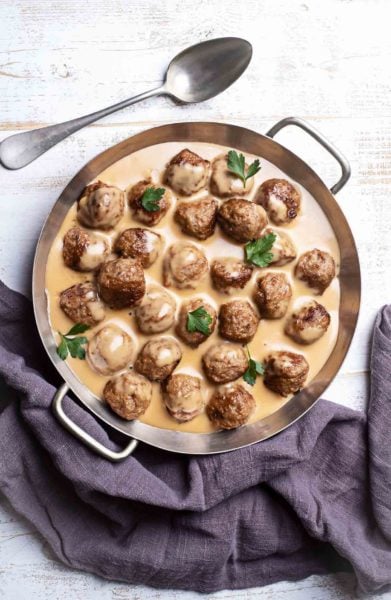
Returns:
<point x="240" y="138"/>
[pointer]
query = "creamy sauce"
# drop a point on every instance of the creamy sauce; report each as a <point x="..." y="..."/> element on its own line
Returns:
<point x="226" y="182"/>
<point x="309" y="230"/>
<point x="91" y="258"/>
<point x="188" y="177"/>
<point x="110" y="350"/>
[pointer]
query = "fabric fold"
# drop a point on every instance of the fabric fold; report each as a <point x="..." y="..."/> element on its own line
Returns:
<point x="313" y="498"/>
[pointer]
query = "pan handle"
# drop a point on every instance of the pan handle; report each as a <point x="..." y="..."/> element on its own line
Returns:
<point x="82" y="435"/>
<point x="339" y="157"/>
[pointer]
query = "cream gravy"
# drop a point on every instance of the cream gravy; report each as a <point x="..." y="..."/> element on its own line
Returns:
<point x="309" y="230"/>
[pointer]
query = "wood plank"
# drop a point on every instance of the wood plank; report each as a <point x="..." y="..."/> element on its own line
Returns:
<point x="82" y="61"/>
<point x="327" y="62"/>
<point x="25" y="557"/>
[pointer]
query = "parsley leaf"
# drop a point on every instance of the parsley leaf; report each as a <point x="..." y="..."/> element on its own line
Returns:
<point x="75" y="347"/>
<point x="237" y="164"/>
<point x="70" y="344"/>
<point x="258" y="251"/>
<point x="254" y="368"/>
<point x="151" y="198"/>
<point x="199" y="320"/>
<point x="253" y="169"/>
<point x="62" y="349"/>
<point x="78" y="328"/>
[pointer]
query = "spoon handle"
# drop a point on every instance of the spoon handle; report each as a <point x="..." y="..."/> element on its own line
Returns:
<point x="20" y="149"/>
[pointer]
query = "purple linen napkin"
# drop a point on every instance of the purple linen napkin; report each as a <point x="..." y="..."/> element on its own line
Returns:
<point x="280" y="509"/>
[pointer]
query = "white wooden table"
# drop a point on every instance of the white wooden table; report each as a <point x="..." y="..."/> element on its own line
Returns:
<point x="326" y="61"/>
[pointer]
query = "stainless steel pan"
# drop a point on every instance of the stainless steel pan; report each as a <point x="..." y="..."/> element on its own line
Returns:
<point x="247" y="141"/>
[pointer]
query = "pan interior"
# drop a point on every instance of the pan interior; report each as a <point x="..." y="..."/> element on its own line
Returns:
<point x="294" y="168"/>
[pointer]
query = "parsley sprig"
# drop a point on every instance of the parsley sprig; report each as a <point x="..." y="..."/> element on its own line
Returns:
<point x="150" y="200"/>
<point x="254" y="368"/>
<point x="70" y="344"/>
<point x="199" y="320"/>
<point x="258" y="251"/>
<point x="237" y="164"/>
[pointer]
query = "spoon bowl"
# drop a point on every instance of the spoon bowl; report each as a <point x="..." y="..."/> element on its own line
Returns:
<point x="204" y="70"/>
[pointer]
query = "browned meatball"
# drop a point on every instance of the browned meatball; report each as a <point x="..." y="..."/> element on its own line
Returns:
<point x="101" y="206"/>
<point x="81" y="304"/>
<point x="241" y="219"/>
<point x="308" y="324"/>
<point x="128" y="395"/>
<point x="238" y="321"/>
<point x="280" y="199"/>
<point x="185" y="266"/>
<point x="121" y="282"/>
<point x="183" y="397"/>
<point x="230" y="406"/>
<point x="187" y="173"/>
<point x="224" y="183"/>
<point x="283" y="250"/>
<point x="272" y="295"/>
<point x="197" y="217"/>
<point x="230" y="274"/>
<point x="317" y="269"/>
<point x="224" y="362"/>
<point x="156" y="313"/>
<point x="110" y="350"/>
<point x="141" y="214"/>
<point x="158" y="358"/>
<point x="194" y="338"/>
<point x="139" y="243"/>
<point x="285" y="372"/>
<point x="84" y="251"/>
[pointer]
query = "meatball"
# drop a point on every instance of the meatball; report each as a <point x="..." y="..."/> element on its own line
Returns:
<point x="121" y="282"/>
<point x="285" y="372"/>
<point x="84" y="251"/>
<point x="141" y="214"/>
<point x="187" y="173"/>
<point x="272" y="295"/>
<point x="283" y="250"/>
<point x="280" y="199"/>
<point x="101" y="206"/>
<point x="317" y="269"/>
<point x="110" y="350"/>
<point x="241" y="219"/>
<point x="185" y="266"/>
<point x="128" y="395"/>
<point x="182" y="395"/>
<point x="81" y="304"/>
<point x="230" y="274"/>
<point x="194" y="338"/>
<point x="224" y="183"/>
<point x="224" y="362"/>
<point x="139" y="243"/>
<point x="230" y="406"/>
<point x="158" y="358"/>
<point x="197" y="217"/>
<point x="309" y="323"/>
<point x="156" y="313"/>
<point x="238" y="321"/>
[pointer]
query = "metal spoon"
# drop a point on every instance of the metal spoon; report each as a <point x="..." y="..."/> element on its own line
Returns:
<point x="196" y="74"/>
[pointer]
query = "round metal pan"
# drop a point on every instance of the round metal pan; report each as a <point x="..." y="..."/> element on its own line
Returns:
<point x="246" y="141"/>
